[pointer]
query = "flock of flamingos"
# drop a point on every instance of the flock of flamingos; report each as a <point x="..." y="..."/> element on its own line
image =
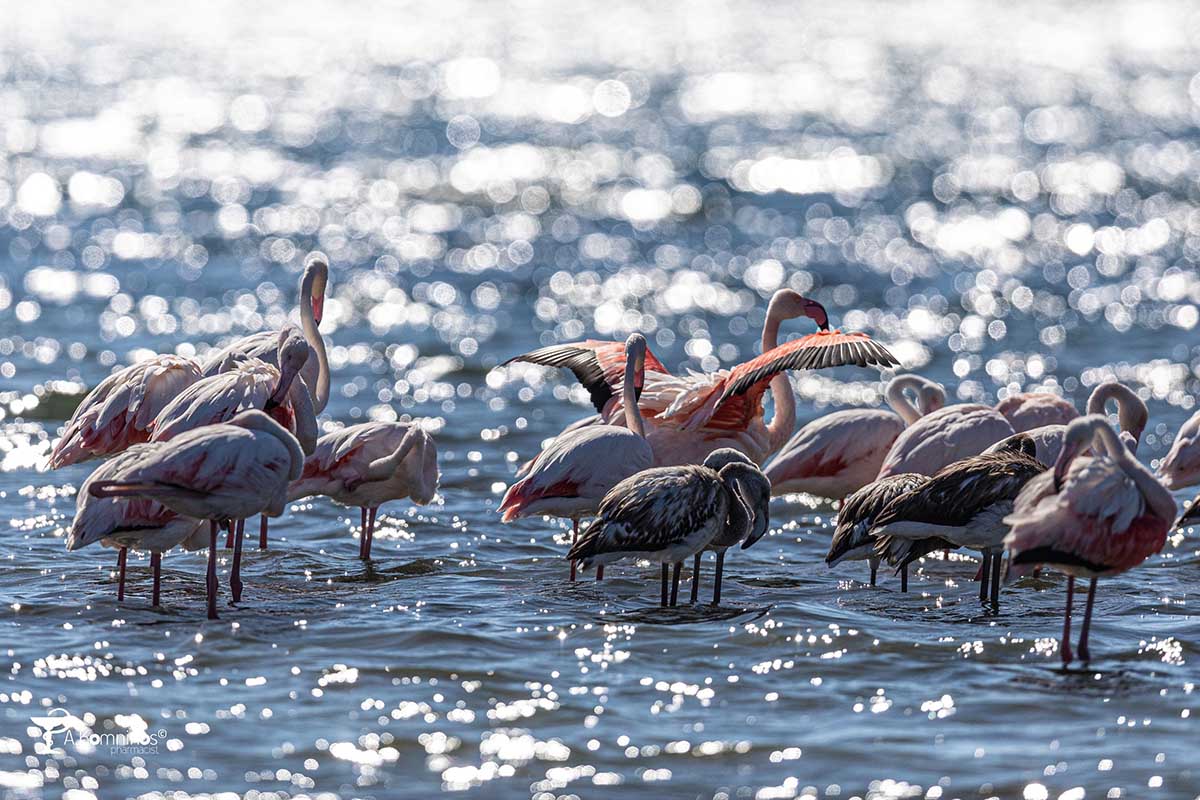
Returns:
<point x="668" y="468"/>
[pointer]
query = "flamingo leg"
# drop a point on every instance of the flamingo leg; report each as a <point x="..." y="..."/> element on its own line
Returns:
<point x="717" y="574"/>
<point x="1085" y="654"/>
<point x="230" y="537"/>
<point x="904" y="578"/>
<point x="574" y="536"/>
<point x="696" y="578"/>
<point x="122" y="557"/>
<point x="210" y="581"/>
<point x="997" y="560"/>
<point x="600" y="572"/>
<point x="675" y="584"/>
<point x="156" y="563"/>
<point x="362" y="537"/>
<point x="262" y="532"/>
<point x="874" y="569"/>
<point x="1065" y="645"/>
<point x="235" y="572"/>
<point x="370" y="530"/>
<point x="985" y="572"/>
<point x="664" y="584"/>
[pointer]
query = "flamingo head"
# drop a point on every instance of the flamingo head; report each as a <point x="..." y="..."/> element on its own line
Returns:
<point x="1080" y="435"/>
<point x="291" y="356"/>
<point x="789" y="304"/>
<point x="635" y="348"/>
<point x="313" y="283"/>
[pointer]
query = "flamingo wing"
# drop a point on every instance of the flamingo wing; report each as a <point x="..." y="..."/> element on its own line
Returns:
<point x="216" y="399"/>
<point x="120" y="411"/>
<point x="653" y="510"/>
<point x="598" y="365"/>
<point x="735" y="399"/>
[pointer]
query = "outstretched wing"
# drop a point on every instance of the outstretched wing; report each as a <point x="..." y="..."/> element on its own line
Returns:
<point x="736" y="400"/>
<point x="599" y="366"/>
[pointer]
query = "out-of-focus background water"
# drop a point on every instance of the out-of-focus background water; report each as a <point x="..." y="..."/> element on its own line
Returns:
<point x="1006" y="194"/>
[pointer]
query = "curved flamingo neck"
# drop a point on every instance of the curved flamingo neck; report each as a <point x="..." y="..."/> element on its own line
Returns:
<point x="633" y="414"/>
<point x="1130" y="408"/>
<point x="898" y="400"/>
<point x="783" y="421"/>
<point x="1160" y="501"/>
<point x="312" y="334"/>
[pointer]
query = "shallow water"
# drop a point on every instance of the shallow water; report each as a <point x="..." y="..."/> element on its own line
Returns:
<point x="1006" y="198"/>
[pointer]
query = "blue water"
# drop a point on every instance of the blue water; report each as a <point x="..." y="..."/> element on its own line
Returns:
<point x="1007" y="198"/>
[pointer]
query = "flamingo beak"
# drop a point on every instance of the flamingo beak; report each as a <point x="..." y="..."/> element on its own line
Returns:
<point x="318" y="308"/>
<point x="816" y="312"/>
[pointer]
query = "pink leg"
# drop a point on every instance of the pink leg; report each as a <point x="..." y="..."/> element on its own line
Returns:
<point x="211" y="580"/>
<point x="1065" y="645"/>
<point x="574" y="536"/>
<point x="122" y="557"/>
<point x="262" y="532"/>
<point x="362" y="537"/>
<point x="156" y="563"/>
<point x="229" y="538"/>
<point x="235" y="572"/>
<point x="1084" y="654"/>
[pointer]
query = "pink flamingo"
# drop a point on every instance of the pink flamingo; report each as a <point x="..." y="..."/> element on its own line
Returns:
<point x="1132" y="415"/>
<point x="127" y="523"/>
<point x="1028" y="410"/>
<point x="1181" y="466"/>
<point x="572" y="475"/>
<point x="690" y="416"/>
<point x="368" y="464"/>
<point x="947" y="435"/>
<point x="842" y="452"/>
<point x="263" y="345"/>
<point x="120" y="411"/>
<point x="1088" y="517"/>
<point x="247" y="383"/>
<point x="221" y="472"/>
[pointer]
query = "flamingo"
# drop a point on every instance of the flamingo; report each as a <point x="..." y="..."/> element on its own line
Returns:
<point x="852" y="539"/>
<point x="120" y="411"/>
<point x="129" y="522"/>
<point x="366" y="465"/>
<point x="1028" y="410"/>
<point x="842" y="452"/>
<point x="220" y="473"/>
<point x="574" y="473"/>
<point x="1088" y="517"/>
<point x="1181" y="467"/>
<point x="962" y="505"/>
<point x="262" y="345"/>
<point x="690" y="416"/>
<point x="247" y="382"/>
<point x="668" y="514"/>
<point x="1132" y="416"/>
<point x="947" y="435"/>
<point x="758" y="501"/>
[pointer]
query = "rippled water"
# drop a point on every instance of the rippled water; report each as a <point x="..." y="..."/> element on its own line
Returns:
<point x="1007" y="198"/>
